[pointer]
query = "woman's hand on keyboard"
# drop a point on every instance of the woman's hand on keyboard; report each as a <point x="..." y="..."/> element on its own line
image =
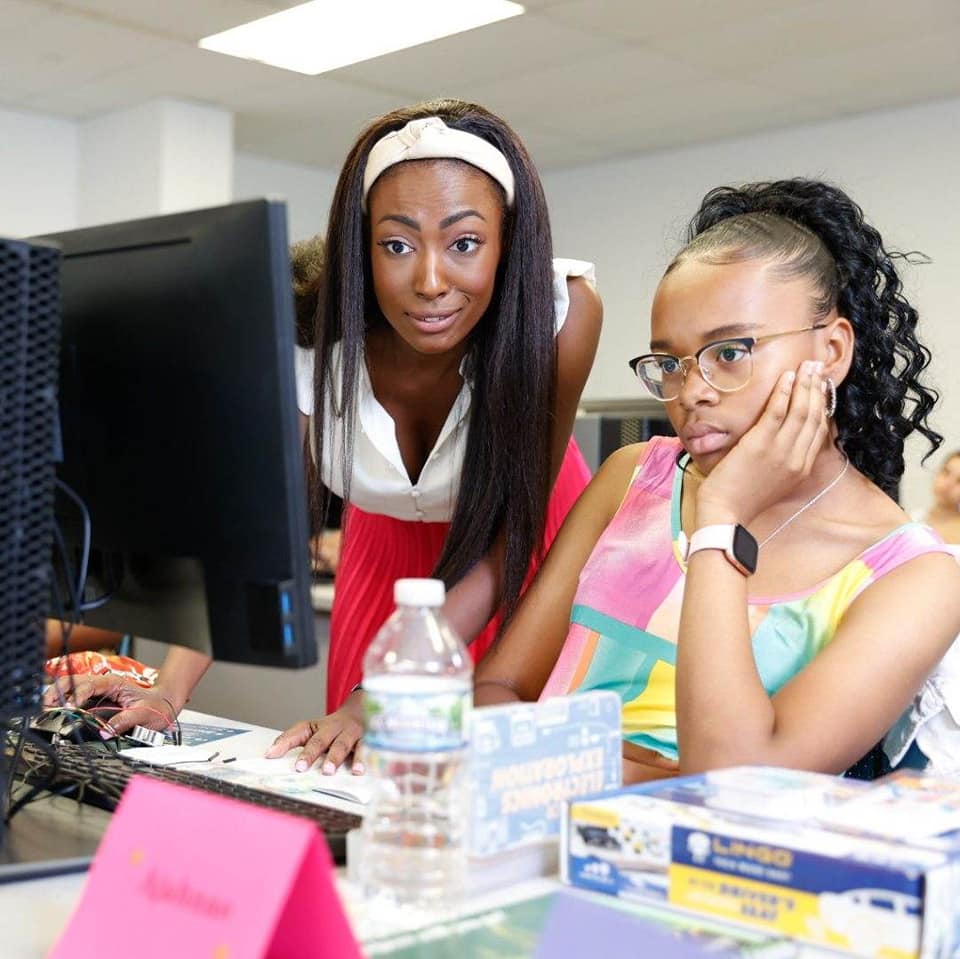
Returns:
<point x="335" y="737"/>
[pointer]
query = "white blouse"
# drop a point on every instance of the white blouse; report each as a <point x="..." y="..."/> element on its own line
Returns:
<point x="379" y="482"/>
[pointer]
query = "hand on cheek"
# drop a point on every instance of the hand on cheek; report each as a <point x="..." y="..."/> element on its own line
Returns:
<point x="774" y="455"/>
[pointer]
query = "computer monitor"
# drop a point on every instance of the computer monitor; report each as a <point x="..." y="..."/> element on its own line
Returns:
<point x="180" y="431"/>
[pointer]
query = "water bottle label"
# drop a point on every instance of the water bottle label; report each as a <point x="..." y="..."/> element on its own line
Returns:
<point x="404" y="722"/>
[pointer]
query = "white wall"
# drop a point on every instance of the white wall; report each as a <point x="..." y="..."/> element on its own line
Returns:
<point x="307" y="190"/>
<point x="120" y="163"/>
<point x="161" y="156"/>
<point x="38" y="174"/>
<point x="198" y="156"/>
<point x="902" y="166"/>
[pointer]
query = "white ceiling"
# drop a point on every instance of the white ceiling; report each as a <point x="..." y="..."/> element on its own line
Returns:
<point x="581" y="80"/>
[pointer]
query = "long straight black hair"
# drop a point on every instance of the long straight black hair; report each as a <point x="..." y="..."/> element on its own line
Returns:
<point x="505" y="483"/>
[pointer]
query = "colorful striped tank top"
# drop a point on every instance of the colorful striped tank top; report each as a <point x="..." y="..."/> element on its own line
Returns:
<point x="626" y="613"/>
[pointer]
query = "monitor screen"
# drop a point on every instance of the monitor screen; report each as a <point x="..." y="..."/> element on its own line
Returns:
<point x="180" y="431"/>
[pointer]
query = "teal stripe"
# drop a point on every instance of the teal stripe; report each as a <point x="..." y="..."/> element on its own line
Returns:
<point x="622" y="663"/>
<point x="676" y="496"/>
<point x="649" y="741"/>
<point x="624" y="633"/>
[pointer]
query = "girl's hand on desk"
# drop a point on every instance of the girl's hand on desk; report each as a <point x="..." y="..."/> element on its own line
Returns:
<point x="116" y="701"/>
<point x="337" y="735"/>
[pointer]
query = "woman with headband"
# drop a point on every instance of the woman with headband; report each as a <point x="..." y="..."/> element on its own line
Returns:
<point x="451" y="352"/>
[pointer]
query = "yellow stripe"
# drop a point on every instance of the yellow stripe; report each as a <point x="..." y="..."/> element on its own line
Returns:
<point x="656" y="707"/>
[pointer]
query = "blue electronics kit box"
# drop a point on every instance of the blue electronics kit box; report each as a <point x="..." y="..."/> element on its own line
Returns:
<point x="871" y="869"/>
<point x="528" y="759"/>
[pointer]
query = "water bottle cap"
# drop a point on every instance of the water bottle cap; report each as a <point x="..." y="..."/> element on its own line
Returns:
<point x="419" y="592"/>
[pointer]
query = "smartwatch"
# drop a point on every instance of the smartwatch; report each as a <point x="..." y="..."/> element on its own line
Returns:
<point x="736" y="542"/>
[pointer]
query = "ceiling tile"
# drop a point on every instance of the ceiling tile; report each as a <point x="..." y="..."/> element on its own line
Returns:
<point x="559" y="94"/>
<point x="633" y="21"/>
<point x="929" y="66"/>
<point x="14" y="13"/>
<point x="54" y="50"/>
<point x="321" y="96"/>
<point x="183" y="19"/>
<point x="803" y="31"/>
<point x="505" y="49"/>
<point x="687" y="114"/>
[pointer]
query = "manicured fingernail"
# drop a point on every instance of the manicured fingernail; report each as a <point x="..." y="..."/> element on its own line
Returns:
<point x="104" y="734"/>
<point x="359" y="769"/>
<point x="301" y="766"/>
<point x="818" y="366"/>
<point x="328" y="768"/>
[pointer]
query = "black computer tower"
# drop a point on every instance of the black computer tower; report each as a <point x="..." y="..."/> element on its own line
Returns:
<point x="29" y="348"/>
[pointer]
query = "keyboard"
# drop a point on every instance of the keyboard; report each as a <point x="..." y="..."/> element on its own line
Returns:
<point x="98" y="775"/>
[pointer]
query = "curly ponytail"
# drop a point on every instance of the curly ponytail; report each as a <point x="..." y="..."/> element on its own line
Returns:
<point x="809" y="228"/>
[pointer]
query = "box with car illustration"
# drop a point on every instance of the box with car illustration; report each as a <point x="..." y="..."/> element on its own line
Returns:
<point x="868" y="869"/>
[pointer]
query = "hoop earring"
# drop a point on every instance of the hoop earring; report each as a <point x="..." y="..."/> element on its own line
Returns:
<point x="831" y="388"/>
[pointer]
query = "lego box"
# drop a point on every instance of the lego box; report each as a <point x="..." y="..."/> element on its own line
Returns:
<point x="868" y="869"/>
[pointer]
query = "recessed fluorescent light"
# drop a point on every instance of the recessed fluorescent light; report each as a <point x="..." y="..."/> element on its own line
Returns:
<point x="326" y="34"/>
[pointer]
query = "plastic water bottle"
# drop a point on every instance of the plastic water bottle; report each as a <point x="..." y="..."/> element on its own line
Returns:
<point x="417" y="684"/>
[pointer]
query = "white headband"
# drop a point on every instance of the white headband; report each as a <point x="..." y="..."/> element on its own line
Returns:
<point x="431" y="139"/>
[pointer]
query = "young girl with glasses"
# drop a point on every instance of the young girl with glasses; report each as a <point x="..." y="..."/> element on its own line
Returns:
<point x="750" y="588"/>
<point x="451" y="351"/>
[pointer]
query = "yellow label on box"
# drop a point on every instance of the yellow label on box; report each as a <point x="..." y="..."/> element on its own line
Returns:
<point x="773" y="908"/>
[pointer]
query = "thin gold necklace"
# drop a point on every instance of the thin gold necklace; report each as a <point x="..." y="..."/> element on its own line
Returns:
<point x="808" y="504"/>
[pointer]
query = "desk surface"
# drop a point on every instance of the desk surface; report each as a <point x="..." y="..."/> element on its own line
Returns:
<point x="34" y="913"/>
<point x="51" y="828"/>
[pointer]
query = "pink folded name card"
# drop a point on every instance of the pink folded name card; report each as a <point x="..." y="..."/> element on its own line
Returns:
<point x="181" y="872"/>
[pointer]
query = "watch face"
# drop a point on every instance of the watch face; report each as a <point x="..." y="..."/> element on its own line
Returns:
<point x="745" y="548"/>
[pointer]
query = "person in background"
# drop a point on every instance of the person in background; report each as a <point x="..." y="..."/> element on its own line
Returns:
<point x="750" y="588"/>
<point x="451" y="351"/>
<point x="306" y="262"/>
<point x="944" y="515"/>
<point x="123" y="702"/>
<point x="82" y="638"/>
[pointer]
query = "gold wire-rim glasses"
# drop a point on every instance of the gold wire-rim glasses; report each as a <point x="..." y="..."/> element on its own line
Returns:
<point x="744" y="342"/>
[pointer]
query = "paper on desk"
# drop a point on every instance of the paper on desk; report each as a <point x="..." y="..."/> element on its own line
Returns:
<point x="270" y="775"/>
